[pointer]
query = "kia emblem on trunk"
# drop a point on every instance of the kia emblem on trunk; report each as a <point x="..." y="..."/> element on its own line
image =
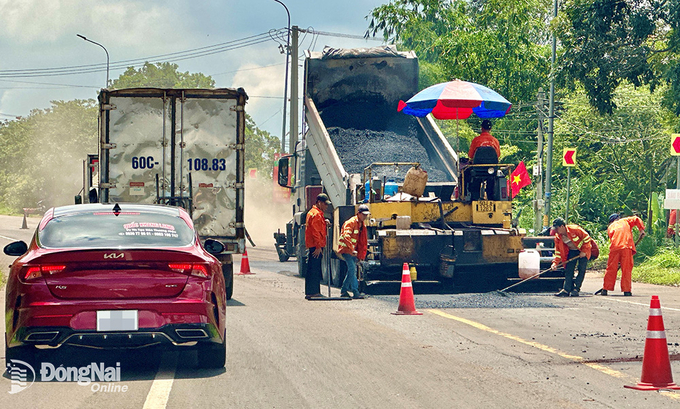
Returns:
<point x="114" y="255"/>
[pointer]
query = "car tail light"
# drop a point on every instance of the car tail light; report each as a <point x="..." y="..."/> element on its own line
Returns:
<point x="34" y="272"/>
<point x="197" y="270"/>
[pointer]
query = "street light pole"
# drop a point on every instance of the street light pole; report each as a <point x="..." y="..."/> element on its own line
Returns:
<point x="285" y="84"/>
<point x="107" y="56"/>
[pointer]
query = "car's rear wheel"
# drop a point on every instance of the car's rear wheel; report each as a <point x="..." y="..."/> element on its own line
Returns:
<point x="283" y="255"/>
<point x="212" y="355"/>
<point x="28" y="354"/>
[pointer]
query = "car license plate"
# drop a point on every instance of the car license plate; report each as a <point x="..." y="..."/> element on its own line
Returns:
<point x="117" y="320"/>
<point x="484" y="206"/>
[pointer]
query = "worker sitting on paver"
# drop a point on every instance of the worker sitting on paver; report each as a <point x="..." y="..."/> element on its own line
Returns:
<point x="484" y="139"/>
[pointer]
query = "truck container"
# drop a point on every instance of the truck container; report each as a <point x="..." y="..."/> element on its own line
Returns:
<point x="179" y="147"/>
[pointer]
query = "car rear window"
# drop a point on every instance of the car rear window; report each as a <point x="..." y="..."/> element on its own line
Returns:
<point x="104" y="229"/>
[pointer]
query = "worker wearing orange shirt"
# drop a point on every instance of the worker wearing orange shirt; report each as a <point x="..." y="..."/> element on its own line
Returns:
<point x="571" y="243"/>
<point x="484" y="139"/>
<point x="621" y="251"/>
<point x="315" y="241"/>
<point x="353" y="245"/>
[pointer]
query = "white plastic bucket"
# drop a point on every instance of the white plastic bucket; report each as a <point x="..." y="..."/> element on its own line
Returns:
<point x="529" y="263"/>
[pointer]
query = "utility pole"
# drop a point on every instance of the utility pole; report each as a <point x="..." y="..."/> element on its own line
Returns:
<point x="551" y="116"/>
<point x="538" y="202"/>
<point x="292" y="137"/>
<point x="285" y="81"/>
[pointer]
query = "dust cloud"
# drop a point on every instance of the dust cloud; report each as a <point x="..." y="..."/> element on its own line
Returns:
<point x="264" y="215"/>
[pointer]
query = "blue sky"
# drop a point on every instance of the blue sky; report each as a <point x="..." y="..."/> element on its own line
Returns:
<point x="38" y="34"/>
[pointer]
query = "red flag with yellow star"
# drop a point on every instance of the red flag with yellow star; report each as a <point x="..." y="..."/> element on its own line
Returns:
<point x="518" y="179"/>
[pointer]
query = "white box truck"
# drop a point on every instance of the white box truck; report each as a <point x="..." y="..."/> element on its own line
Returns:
<point x="180" y="147"/>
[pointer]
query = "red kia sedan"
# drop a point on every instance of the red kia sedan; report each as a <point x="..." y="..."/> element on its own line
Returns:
<point x="116" y="276"/>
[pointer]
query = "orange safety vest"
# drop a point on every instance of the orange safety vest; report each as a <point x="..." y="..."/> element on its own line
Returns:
<point x="315" y="232"/>
<point x="621" y="233"/>
<point x="353" y="237"/>
<point x="484" y="139"/>
<point x="579" y="237"/>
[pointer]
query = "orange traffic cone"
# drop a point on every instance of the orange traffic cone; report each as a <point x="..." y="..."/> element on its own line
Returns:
<point x="245" y="265"/>
<point x="407" y="305"/>
<point x="656" y="364"/>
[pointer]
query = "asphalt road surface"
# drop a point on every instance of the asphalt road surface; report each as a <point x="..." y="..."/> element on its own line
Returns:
<point x="525" y="350"/>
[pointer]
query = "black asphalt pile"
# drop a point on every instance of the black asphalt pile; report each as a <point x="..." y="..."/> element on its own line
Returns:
<point x="479" y="300"/>
<point x="358" y="149"/>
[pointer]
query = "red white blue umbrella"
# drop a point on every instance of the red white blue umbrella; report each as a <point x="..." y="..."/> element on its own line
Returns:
<point x="456" y="100"/>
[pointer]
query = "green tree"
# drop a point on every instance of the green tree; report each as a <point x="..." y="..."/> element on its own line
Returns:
<point x="604" y="42"/>
<point x="161" y="75"/>
<point x="260" y="148"/>
<point x="41" y="154"/>
<point x="622" y="158"/>
<point x="500" y="44"/>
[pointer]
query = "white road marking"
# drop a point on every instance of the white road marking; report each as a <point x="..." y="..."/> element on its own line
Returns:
<point x="575" y="358"/>
<point x="638" y="303"/>
<point x="8" y="238"/>
<point x="162" y="383"/>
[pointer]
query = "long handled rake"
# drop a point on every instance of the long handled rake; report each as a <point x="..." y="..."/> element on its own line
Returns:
<point x="534" y="276"/>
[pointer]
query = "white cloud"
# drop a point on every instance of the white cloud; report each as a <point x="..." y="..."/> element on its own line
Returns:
<point x="264" y="85"/>
<point x="125" y="23"/>
<point x="261" y="81"/>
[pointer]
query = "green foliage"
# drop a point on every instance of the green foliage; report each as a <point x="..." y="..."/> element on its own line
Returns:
<point x="621" y="158"/>
<point x="496" y="43"/>
<point x="161" y="75"/>
<point x="605" y="42"/>
<point x="41" y="154"/>
<point x="260" y="148"/>
<point x="663" y="268"/>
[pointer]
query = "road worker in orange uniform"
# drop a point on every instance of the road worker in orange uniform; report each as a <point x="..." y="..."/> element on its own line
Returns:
<point x="315" y="241"/>
<point x="621" y="251"/>
<point x="571" y="243"/>
<point x="484" y="139"/>
<point x="353" y="246"/>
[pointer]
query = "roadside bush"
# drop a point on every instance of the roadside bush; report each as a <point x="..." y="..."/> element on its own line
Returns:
<point x="662" y="268"/>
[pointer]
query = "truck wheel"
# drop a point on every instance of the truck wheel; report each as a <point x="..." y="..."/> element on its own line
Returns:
<point x="283" y="255"/>
<point x="228" y="273"/>
<point x="446" y="285"/>
<point x="302" y="252"/>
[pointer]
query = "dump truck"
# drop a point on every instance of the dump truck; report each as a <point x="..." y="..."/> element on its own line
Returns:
<point x="357" y="148"/>
<point x="178" y="147"/>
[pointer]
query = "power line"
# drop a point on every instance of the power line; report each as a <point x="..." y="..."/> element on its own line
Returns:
<point x="341" y="35"/>
<point x="51" y="83"/>
<point x="176" y="56"/>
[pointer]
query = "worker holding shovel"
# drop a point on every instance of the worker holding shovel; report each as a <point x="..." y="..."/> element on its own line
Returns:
<point x="572" y="246"/>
